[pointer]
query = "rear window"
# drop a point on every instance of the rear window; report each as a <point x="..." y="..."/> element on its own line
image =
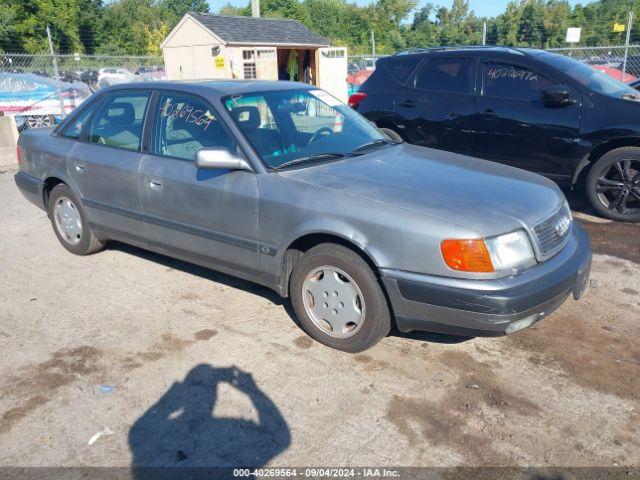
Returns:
<point x="402" y="66"/>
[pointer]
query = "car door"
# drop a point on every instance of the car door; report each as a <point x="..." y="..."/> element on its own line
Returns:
<point x="206" y="216"/>
<point x="513" y="125"/>
<point x="104" y="164"/>
<point x="435" y="108"/>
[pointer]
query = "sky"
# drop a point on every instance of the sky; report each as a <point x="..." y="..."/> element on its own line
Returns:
<point x="482" y="8"/>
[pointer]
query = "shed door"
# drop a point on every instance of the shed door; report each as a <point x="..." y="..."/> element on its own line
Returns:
<point x="332" y="71"/>
<point x="266" y="63"/>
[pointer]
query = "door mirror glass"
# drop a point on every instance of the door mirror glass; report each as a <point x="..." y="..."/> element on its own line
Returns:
<point x="220" y="158"/>
<point x="557" y="96"/>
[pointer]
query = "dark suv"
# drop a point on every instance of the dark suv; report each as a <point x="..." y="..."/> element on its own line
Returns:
<point x="531" y="109"/>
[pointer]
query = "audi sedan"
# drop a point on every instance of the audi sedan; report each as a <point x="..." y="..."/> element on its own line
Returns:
<point x="281" y="184"/>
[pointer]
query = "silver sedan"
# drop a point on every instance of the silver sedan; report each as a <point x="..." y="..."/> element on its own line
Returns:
<point x="281" y="184"/>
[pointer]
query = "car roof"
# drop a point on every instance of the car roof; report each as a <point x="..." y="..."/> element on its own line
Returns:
<point x="216" y="88"/>
<point x="466" y="49"/>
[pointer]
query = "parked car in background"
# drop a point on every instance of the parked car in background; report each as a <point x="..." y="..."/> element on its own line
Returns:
<point x="90" y="78"/>
<point x="33" y="99"/>
<point x="632" y="66"/>
<point x="527" y="108"/>
<point x="113" y="76"/>
<point x="281" y="184"/>
<point x="615" y="72"/>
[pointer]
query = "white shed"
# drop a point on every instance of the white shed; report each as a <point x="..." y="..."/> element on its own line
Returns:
<point x="205" y="46"/>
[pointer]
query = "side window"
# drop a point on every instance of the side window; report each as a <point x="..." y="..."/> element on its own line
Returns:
<point x="186" y="124"/>
<point x="74" y="130"/>
<point x="511" y="81"/>
<point x="446" y="75"/>
<point x="118" y="123"/>
<point x="254" y="117"/>
<point x="400" y="67"/>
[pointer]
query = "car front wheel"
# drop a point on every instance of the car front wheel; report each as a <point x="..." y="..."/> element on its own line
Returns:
<point x="613" y="184"/>
<point x="338" y="299"/>
<point x="70" y="222"/>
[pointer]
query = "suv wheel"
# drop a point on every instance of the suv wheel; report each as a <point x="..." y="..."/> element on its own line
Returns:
<point x="338" y="299"/>
<point x="613" y="184"/>
<point x="70" y="223"/>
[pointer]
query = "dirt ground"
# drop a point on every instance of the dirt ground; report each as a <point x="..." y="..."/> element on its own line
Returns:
<point x="182" y="366"/>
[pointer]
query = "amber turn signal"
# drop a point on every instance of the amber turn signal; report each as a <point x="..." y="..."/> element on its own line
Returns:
<point x="467" y="255"/>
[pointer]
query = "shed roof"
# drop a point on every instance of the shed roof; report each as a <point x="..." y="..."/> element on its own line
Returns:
<point x="259" y="31"/>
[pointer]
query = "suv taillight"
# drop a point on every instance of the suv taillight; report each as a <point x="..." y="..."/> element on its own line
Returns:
<point x="18" y="154"/>
<point x="356" y="98"/>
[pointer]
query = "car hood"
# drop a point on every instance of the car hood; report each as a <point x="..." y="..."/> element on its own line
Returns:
<point x="487" y="197"/>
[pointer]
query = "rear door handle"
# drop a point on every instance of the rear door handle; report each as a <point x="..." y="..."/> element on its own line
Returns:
<point x="155" y="183"/>
<point x="408" y="104"/>
<point x="80" y="166"/>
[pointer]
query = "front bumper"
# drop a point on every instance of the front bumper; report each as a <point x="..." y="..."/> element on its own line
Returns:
<point x="489" y="307"/>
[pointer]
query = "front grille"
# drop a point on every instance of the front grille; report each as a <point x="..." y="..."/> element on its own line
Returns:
<point x="553" y="232"/>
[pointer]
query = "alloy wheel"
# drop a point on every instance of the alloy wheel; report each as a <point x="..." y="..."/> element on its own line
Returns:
<point x="618" y="187"/>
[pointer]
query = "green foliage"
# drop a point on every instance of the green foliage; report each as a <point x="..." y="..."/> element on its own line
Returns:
<point x="138" y="26"/>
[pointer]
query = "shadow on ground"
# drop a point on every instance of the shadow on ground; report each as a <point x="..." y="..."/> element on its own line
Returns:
<point x="180" y="430"/>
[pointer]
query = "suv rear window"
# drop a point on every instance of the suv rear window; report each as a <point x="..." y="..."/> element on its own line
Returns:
<point x="446" y="75"/>
<point x="402" y="66"/>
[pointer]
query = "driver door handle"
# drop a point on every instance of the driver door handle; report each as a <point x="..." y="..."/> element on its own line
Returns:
<point x="155" y="183"/>
<point x="408" y="103"/>
<point x="80" y="166"/>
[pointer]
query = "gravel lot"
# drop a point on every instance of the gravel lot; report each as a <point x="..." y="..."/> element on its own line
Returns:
<point x="189" y="367"/>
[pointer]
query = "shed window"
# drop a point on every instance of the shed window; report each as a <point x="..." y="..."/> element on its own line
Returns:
<point x="266" y="54"/>
<point x="249" y="64"/>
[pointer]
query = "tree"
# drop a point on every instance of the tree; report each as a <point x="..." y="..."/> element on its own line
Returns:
<point x="177" y="8"/>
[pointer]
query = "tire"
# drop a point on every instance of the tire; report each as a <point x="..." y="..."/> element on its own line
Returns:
<point x="69" y="222"/>
<point x="392" y="134"/>
<point x="613" y="184"/>
<point x="343" y="281"/>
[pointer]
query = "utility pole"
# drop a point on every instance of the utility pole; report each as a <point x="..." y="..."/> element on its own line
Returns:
<point x="484" y="33"/>
<point x="626" y="45"/>
<point x="373" y="46"/>
<point x="56" y="73"/>
<point x="255" y="8"/>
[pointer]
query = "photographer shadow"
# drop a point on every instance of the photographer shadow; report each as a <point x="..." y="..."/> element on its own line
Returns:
<point x="180" y="432"/>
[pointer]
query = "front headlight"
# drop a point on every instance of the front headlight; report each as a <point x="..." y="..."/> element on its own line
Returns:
<point x="509" y="250"/>
<point x="489" y="254"/>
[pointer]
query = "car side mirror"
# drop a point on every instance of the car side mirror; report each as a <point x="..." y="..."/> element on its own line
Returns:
<point x="220" y="158"/>
<point x="557" y="96"/>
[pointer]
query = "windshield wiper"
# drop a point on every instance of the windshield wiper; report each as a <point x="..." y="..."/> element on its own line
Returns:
<point x="312" y="158"/>
<point x="375" y="143"/>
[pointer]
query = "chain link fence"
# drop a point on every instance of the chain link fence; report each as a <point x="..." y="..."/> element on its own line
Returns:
<point x="31" y="92"/>
<point x="610" y="60"/>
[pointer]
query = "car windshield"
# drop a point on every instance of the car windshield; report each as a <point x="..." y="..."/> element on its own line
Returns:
<point x="589" y="77"/>
<point x="293" y="127"/>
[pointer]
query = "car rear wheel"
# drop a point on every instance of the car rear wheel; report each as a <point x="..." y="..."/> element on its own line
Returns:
<point x="613" y="184"/>
<point x="69" y="222"/>
<point x="338" y="299"/>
